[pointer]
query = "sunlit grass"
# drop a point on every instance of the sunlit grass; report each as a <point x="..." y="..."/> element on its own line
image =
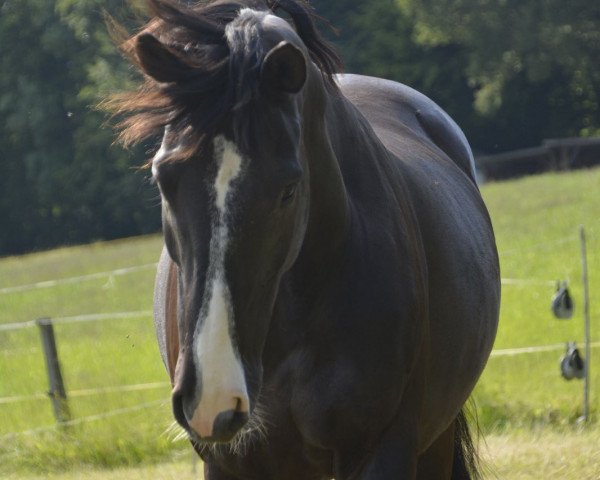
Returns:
<point x="565" y="453"/>
<point x="112" y="427"/>
<point x="537" y="220"/>
<point x="180" y="469"/>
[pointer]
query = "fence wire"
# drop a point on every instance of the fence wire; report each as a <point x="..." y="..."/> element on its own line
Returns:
<point x="80" y="420"/>
<point x="91" y="317"/>
<point x="81" y="278"/>
<point x="87" y="392"/>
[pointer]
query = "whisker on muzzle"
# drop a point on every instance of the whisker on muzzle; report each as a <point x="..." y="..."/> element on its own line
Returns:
<point x="175" y="432"/>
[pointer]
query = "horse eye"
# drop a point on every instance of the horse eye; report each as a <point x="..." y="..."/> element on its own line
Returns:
<point x="288" y="193"/>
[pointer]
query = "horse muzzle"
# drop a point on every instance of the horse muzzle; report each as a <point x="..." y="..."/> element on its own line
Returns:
<point x="217" y="417"/>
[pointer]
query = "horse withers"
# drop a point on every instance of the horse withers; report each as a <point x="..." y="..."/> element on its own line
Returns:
<point x="328" y="293"/>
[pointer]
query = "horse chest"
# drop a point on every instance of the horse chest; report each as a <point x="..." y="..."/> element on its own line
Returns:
<point x="342" y="377"/>
<point x="332" y="399"/>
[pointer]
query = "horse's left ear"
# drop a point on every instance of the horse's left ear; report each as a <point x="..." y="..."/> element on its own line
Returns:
<point x="284" y="69"/>
<point x="158" y="60"/>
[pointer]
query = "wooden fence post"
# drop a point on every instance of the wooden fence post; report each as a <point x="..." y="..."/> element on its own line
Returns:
<point x="57" y="391"/>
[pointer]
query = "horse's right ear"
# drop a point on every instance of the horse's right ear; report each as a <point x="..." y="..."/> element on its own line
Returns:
<point x="158" y="60"/>
<point x="284" y="68"/>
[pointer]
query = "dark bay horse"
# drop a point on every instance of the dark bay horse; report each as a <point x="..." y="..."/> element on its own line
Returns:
<point x="329" y="289"/>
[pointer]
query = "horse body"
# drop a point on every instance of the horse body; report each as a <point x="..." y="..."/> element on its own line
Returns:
<point x="389" y="302"/>
<point x="359" y="309"/>
<point x="436" y="168"/>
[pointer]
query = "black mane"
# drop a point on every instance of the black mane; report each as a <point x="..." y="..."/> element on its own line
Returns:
<point x="220" y="81"/>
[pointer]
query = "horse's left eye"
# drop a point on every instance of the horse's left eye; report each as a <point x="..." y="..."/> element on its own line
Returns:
<point x="288" y="193"/>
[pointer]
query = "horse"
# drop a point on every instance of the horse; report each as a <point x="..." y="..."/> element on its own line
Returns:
<point x="328" y="292"/>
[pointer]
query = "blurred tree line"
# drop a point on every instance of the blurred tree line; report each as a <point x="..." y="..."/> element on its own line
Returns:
<point x="61" y="179"/>
<point x="511" y="73"/>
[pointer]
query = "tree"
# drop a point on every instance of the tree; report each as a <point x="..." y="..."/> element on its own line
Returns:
<point x="533" y="63"/>
<point x="510" y="72"/>
<point x="62" y="181"/>
<point x="377" y="37"/>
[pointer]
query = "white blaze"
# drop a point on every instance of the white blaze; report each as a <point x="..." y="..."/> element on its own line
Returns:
<point x="219" y="365"/>
<point x="231" y="164"/>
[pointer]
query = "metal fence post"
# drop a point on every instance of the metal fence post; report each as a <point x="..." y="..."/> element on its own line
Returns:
<point x="57" y="391"/>
<point x="586" y="320"/>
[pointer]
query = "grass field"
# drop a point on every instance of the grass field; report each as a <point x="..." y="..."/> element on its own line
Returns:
<point x="96" y="357"/>
<point x="521" y="399"/>
<point x="570" y="455"/>
<point x="536" y="221"/>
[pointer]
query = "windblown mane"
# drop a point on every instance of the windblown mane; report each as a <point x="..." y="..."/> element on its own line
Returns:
<point x="222" y="78"/>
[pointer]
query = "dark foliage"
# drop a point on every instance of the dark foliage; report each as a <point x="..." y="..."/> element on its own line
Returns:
<point x="511" y="74"/>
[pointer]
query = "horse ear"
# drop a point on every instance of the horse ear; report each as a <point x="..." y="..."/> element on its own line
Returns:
<point x="284" y="68"/>
<point x="159" y="61"/>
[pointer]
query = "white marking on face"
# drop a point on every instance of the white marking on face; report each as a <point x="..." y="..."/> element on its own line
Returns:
<point x="218" y="363"/>
<point x="231" y="164"/>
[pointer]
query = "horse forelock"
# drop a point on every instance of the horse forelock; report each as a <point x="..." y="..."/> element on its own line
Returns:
<point x="220" y="42"/>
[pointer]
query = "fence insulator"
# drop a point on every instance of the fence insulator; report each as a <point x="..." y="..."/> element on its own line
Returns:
<point x="562" y="303"/>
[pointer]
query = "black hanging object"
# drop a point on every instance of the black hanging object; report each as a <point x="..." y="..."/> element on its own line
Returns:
<point x="562" y="303"/>
<point x="572" y="365"/>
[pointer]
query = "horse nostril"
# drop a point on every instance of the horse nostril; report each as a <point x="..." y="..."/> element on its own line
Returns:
<point x="227" y="423"/>
<point x="178" y="413"/>
<point x="241" y="404"/>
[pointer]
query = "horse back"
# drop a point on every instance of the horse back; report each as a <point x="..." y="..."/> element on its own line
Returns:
<point x="394" y="107"/>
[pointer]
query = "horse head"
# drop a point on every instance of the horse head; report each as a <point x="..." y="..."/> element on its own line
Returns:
<point x="229" y="86"/>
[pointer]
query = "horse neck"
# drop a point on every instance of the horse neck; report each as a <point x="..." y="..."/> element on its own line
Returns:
<point x="325" y="142"/>
<point x="328" y="218"/>
<point x="339" y="144"/>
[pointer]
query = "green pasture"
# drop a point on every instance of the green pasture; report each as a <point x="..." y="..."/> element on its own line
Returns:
<point x="536" y="221"/>
<point x="516" y="455"/>
<point x="111" y="426"/>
